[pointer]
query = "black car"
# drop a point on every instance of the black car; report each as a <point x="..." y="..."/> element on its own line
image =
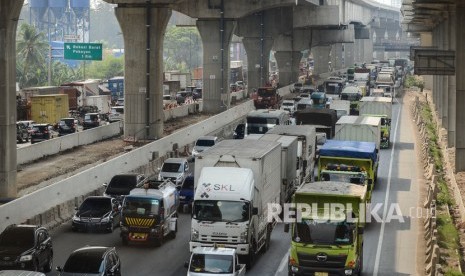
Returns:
<point x="97" y="213"/>
<point x="180" y="98"/>
<point x="22" y="134"/>
<point x="40" y="132"/>
<point x="91" y="120"/>
<point x="67" y="126"/>
<point x="197" y="93"/>
<point x="239" y="132"/>
<point x="121" y="184"/>
<point x="26" y="247"/>
<point x="92" y="260"/>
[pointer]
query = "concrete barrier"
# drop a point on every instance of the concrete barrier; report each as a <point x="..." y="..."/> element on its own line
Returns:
<point x="48" y="198"/>
<point x="55" y="145"/>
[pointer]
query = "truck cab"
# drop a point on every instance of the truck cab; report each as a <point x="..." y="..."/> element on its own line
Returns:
<point x="214" y="261"/>
<point x="319" y="100"/>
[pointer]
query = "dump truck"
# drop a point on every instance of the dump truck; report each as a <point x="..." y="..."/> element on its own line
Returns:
<point x="352" y="156"/>
<point x="149" y="214"/>
<point x="326" y="241"/>
<point x="306" y="153"/>
<point x="234" y="182"/>
<point x="214" y="261"/>
<point x="359" y="128"/>
<point x="379" y="107"/>
<point x="266" y="97"/>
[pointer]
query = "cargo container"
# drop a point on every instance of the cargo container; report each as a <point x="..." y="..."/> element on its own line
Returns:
<point x="102" y="102"/>
<point x="359" y="128"/>
<point x="73" y="95"/>
<point x="49" y="108"/>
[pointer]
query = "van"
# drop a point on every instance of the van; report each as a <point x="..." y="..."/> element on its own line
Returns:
<point x="116" y="114"/>
<point x="174" y="169"/>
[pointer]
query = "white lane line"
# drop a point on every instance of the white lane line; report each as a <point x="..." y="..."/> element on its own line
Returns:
<point x="386" y="198"/>
<point x="282" y="264"/>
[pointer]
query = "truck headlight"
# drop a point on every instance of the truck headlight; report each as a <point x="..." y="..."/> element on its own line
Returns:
<point x="295" y="269"/>
<point x="106" y="219"/>
<point x="348" y="272"/>
<point x="194" y="152"/>
<point x="194" y="235"/>
<point x="76" y="218"/>
<point x="25" y="258"/>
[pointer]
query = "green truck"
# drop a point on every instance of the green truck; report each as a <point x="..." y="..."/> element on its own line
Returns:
<point x="324" y="241"/>
<point x="379" y="107"/>
<point x="351" y="161"/>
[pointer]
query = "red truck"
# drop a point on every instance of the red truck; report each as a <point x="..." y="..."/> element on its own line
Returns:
<point x="266" y="97"/>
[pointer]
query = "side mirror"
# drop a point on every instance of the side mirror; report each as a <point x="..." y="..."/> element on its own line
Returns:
<point x="105" y="184"/>
<point x="254" y="211"/>
<point x="360" y="230"/>
<point x="286" y="228"/>
<point x="238" y="267"/>
<point x="186" y="264"/>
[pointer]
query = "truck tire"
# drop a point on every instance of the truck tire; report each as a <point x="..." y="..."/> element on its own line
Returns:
<point x="360" y="268"/>
<point x="266" y="246"/>
<point x="159" y="240"/>
<point x="251" y="257"/>
<point x="172" y="234"/>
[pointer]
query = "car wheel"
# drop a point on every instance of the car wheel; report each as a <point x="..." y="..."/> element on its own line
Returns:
<point x="49" y="265"/>
<point x="35" y="265"/>
<point x="111" y="228"/>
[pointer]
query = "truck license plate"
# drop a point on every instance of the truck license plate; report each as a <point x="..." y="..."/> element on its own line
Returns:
<point x="321" y="273"/>
<point x="138" y="236"/>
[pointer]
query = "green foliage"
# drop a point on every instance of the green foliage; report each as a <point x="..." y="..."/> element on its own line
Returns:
<point x="109" y="67"/>
<point x="417" y="81"/>
<point x="182" y="48"/>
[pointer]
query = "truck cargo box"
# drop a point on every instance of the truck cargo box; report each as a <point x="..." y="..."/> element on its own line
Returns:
<point x="49" y="109"/>
<point x="359" y="128"/>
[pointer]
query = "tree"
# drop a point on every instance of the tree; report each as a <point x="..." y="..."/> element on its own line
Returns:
<point x="109" y="67"/>
<point x="182" y="49"/>
<point x="31" y="51"/>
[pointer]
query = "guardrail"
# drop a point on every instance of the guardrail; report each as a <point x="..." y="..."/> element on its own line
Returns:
<point x="52" y="204"/>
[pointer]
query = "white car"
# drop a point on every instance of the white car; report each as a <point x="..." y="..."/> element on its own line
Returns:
<point x="288" y="105"/>
<point x="174" y="169"/>
<point x="203" y="143"/>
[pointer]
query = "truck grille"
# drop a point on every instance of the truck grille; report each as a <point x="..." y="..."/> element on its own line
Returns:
<point x="141" y="222"/>
<point x="221" y="239"/>
<point x="315" y="260"/>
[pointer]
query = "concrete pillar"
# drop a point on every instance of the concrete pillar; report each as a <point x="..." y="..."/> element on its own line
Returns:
<point x="321" y="59"/>
<point x="349" y="54"/>
<point x="380" y="32"/>
<point x="451" y="90"/>
<point x="368" y="48"/>
<point x="215" y="42"/>
<point x="258" y="56"/>
<point x="445" y="79"/>
<point x="426" y="39"/>
<point x="460" y="95"/>
<point x="336" y="56"/>
<point x="288" y="66"/>
<point x="9" y="14"/>
<point x="143" y="106"/>
<point x="358" y="51"/>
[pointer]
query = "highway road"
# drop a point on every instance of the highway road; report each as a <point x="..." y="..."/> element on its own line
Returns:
<point x="390" y="247"/>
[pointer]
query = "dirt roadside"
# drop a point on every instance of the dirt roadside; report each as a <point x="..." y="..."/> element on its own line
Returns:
<point x="46" y="171"/>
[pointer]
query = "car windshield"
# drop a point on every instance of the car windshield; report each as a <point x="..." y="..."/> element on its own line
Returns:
<point x="115" y="110"/>
<point x="123" y="181"/>
<point x="88" y="117"/>
<point x="140" y="206"/>
<point x="84" y="262"/>
<point x="171" y="167"/>
<point x="21" y="237"/>
<point x="209" y="263"/>
<point x="40" y="128"/>
<point x="323" y="232"/>
<point x="221" y="210"/>
<point x="205" y="143"/>
<point x="288" y="103"/>
<point x="96" y="204"/>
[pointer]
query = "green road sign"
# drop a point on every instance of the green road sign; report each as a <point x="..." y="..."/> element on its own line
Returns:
<point x="83" y="51"/>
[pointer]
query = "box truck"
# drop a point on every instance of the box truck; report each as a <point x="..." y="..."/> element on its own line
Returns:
<point x="379" y="107"/>
<point x="49" y="109"/>
<point x="234" y="183"/>
<point x="359" y="128"/>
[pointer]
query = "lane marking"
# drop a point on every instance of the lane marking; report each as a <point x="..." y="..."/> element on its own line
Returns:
<point x="282" y="264"/>
<point x="386" y="198"/>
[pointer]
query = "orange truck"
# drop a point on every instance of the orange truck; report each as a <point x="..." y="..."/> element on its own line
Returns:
<point x="266" y="97"/>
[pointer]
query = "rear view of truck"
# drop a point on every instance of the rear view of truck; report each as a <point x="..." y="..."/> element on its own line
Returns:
<point x="379" y="107"/>
<point x="359" y="128"/>
<point x="325" y="241"/>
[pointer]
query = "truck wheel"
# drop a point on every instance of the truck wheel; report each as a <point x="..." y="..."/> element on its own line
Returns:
<point x="173" y="233"/>
<point x="360" y="268"/>
<point x="159" y="241"/>
<point x="266" y="246"/>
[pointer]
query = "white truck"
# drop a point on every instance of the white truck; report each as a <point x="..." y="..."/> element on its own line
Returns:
<point x="359" y="128"/>
<point x="342" y="107"/>
<point x="102" y="102"/>
<point x="306" y="144"/>
<point x="234" y="182"/>
<point x="385" y="81"/>
<point x="214" y="261"/>
<point x="379" y="107"/>
<point x="289" y="175"/>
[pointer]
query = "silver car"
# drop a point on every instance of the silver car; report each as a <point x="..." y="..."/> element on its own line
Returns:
<point x="203" y="143"/>
<point x="174" y="169"/>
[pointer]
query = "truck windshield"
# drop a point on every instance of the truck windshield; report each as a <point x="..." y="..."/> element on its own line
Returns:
<point x="311" y="231"/>
<point x="260" y="125"/>
<point x="266" y="92"/>
<point x="319" y="101"/>
<point x="218" y="210"/>
<point x="351" y="96"/>
<point x="140" y="206"/>
<point x="209" y="263"/>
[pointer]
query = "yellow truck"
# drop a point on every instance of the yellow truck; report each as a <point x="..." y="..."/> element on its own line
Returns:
<point x="49" y="109"/>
